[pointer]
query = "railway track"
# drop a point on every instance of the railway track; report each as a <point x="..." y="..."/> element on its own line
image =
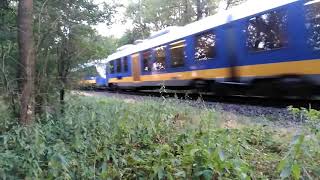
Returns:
<point x="235" y="99"/>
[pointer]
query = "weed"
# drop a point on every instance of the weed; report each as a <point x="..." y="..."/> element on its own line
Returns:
<point x="114" y="139"/>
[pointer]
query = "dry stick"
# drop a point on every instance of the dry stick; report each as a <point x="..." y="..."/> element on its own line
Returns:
<point x="7" y="83"/>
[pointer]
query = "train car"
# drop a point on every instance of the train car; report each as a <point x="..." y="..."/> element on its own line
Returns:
<point x="101" y="78"/>
<point x="87" y="82"/>
<point x="94" y="75"/>
<point x="260" y="47"/>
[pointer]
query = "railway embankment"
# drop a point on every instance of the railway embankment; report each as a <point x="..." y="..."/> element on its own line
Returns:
<point x="127" y="137"/>
<point x="260" y="111"/>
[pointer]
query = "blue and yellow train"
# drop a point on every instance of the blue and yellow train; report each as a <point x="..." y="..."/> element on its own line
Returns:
<point x="268" y="47"/>
<point x="93" y="75"/>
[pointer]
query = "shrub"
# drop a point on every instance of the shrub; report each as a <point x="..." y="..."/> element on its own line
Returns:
<point x="114" y="139"/>
<point x="302" y="159"/>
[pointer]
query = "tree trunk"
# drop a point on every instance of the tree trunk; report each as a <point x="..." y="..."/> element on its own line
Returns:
<point x="27" y="60"/>
<point x="231" y="3"/>
<point x="187" y="18"/>
<point x="199" y="9"/>
<point x="63" y="68"/>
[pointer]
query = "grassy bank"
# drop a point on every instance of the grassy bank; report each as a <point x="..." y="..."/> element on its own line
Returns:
<point x="109" y="138"/>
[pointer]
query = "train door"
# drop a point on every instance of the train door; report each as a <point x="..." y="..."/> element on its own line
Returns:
<point x="231" y="45"/>
<point x="136" y="68"/>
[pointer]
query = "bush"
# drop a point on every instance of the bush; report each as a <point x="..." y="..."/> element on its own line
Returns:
<point x="302" y="159"/>
<point x="113" y="139"/>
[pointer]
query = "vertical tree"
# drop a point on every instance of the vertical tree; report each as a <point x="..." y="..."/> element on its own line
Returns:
<point x="199" y="9"/>
<point x="62" y="31"/>
<point x="27" y="60"/>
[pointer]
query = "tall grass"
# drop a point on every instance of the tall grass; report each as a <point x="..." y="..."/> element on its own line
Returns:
<point x="115" y="139"/>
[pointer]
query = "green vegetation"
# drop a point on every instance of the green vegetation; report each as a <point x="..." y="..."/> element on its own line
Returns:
<point x="124" y="139"/>
<point x="82" y="138"/>
<point x="153" y="15"/>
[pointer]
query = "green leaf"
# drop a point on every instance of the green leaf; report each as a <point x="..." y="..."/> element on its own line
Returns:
<point x="181" y="174"/>
<point x="207" y="174"/>
<point x="296" y="171"/>
<point x="62" y="160"/>
<point x="161" y="173"/>
<point x="193" y="151"/>
<point x="104" y="167"/>
<point x="285" y="172"/>
<point x="281" y="165"/>
<point x="221" y="155"/>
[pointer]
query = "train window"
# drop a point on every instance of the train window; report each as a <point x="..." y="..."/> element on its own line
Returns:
<point x="125" y="64"/>
<point x="177" y="53"/>
<point x="111" y="67"/>
<point x="313" y="23"/>
<point x="160" y="63"/>
<point x="205" y="44"/>
<point x="147" y="55"/>
<point x="118" y="66"/>
<point x="267" y="31"/>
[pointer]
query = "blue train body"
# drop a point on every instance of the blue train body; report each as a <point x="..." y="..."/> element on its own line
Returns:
<point x="97" y="75"/>
<point x="100" y="81"/>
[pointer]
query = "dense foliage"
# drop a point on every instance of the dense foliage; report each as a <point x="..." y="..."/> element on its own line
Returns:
<point x="152" y="15"/>
<point x="64" y="38"/>
<point x="108" y="138"/>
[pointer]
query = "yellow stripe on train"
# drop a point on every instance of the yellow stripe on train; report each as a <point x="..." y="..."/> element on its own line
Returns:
<point x="307" y="67"/>
<point x="87" y="82"/>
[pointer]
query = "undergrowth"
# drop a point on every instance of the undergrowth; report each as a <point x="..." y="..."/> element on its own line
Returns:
<point x="115" y="139"/>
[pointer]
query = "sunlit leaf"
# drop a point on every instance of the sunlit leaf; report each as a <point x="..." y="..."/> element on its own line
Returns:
<point x="296" y="171"/>
<point x="221" y="155"/>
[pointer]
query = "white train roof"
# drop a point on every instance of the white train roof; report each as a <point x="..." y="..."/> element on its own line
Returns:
<point x="246" y="9"/>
